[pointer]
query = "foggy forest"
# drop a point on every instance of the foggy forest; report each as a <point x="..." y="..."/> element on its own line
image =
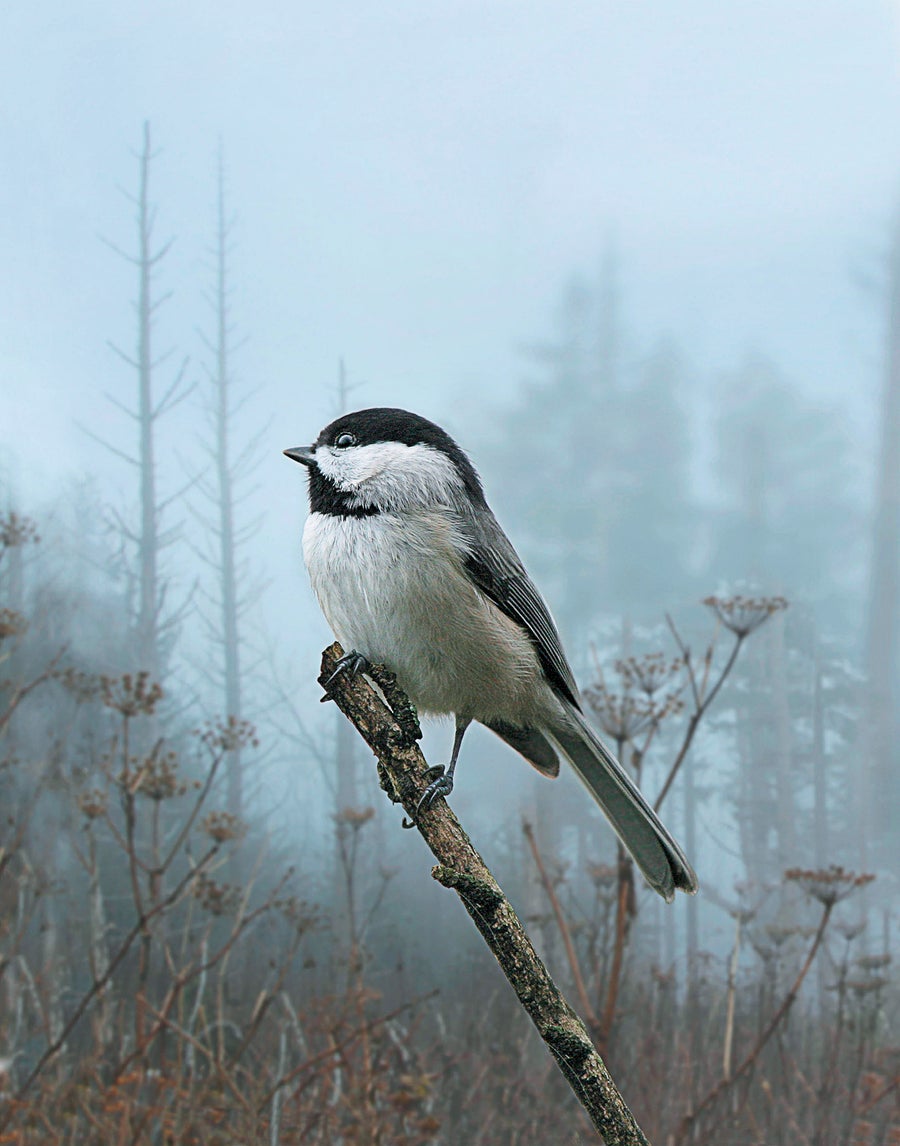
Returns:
<point x="643" y="263"/>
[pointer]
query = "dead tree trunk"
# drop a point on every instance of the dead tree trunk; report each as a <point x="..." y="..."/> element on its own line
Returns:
<point x="820" y="778"/>
<point x="148" y="546"/>
<point x="149" y="538"/>
<point x="785" y="816"/>
<point x="231" y="647"/>
<point x="882" y="804"/>
<point x="231" y="463"/>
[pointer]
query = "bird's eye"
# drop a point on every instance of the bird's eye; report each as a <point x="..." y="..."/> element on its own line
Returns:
<point x="342" y="441"/>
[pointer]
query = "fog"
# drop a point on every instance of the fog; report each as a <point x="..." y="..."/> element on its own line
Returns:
<point x="638" y="259"/>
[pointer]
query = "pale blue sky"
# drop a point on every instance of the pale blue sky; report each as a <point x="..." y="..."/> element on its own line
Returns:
<point x="416" y="181"/>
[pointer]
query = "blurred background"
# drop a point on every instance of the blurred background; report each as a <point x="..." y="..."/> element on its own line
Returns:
<point x="643" y="262"/>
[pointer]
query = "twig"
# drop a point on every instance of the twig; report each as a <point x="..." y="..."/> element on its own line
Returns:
<point x="100" y="983"/>
<point x="624" y="912"/>
<point x="786" y="1004"/>
<point x="580" y="987"/>
<point x="877" y="1096"/>
<point x="338" y="1049"/>
<point x="24" y="689"/>
<point x="732" y="992"/>
<point x="392" y="734"/>
<point x="702" y="701"/>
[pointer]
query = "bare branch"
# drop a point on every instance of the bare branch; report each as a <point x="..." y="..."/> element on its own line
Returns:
<point x="107" y="446"/>
<point x="132" y="362"/>
<point x="392" y="733"/>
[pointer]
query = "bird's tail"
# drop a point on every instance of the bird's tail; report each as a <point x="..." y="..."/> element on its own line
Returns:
<point x="636" y="824"/>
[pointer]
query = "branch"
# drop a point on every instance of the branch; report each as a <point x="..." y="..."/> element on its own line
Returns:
<point x="392" y="733"/>
<point x="24" y="689"/>
<point x="106" y="445"/>
<point x="701" y="704"/>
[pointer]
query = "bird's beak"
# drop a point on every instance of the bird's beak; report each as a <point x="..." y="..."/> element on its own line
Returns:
<point x="306" y="455"/>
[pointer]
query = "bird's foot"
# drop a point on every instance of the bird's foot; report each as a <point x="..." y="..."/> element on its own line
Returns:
<point x="441" y="785"/>
<point x="353" y="663"/>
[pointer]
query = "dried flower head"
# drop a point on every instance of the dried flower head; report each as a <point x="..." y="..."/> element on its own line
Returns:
<point x="742" y="915"/>
<point x="131" y="694"/>
<point x="649" y="673"/>
<point x="229" y="735"/>
<point x="850" y="929"/>
<point x="780" y="935"/>
<point x="92" y="804"/>
<point x="224" y="826"/>
<point x="622" y="716"/>
<point x="867" y="986"/>
<point x="216" y="898"/>
<point x="82" y="686"/>
<point x="412" y="1090"/>
<point x="154" y="776"/>
<point x="354" y="818"/>
<point x="749" y="898"/>
<point x="603" y="874"/>
<point x="764" y="950"/>
<point x="12" y="624"/>
<point x="828" y="885"/>
<point x="16" y="530"/>
<point x="742" y="615"/>
<point x="874" y="962"/>
<point x="862" y="1133"/>
<point x="635" y="708"/>
<point x="301" y="915"/>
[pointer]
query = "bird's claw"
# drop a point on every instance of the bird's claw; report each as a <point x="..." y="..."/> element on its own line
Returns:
<point x="353" y="663"/>
<point x="441" y="785"/>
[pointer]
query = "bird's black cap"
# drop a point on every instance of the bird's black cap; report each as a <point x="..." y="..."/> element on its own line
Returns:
<point x="388" y="424"/>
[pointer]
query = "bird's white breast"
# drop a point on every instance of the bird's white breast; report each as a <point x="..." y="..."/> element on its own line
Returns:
<point x="394" y="588"/>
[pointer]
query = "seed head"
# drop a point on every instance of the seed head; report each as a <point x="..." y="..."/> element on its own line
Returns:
<point x="828" y="885"/>
<point x="743" y="615"/>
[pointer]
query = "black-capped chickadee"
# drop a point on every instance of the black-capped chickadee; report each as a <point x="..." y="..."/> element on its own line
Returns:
<point x="413" y="571"/>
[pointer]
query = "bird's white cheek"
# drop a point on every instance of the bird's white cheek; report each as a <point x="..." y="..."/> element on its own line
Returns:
<point x="350" y="469"/>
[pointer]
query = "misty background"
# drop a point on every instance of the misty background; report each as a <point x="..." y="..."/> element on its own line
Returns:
<point x="640" y="260"/>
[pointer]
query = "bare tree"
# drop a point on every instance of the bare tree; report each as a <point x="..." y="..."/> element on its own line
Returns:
<point x="881" y="653"/>
<point x="224" y="489"/>
<point x="151" y="622"/>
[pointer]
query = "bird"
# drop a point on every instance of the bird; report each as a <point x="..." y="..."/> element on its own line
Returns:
<point x="413" y="571"/>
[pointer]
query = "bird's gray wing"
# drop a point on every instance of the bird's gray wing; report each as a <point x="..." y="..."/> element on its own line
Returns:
<point x="496" y="569"/>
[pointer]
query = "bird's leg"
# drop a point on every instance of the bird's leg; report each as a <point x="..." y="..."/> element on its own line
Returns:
<point x="353" y="663"/>
<point x="442" y="785"/>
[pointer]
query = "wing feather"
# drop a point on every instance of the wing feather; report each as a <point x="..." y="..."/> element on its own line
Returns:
<point x="495" y="567"/>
